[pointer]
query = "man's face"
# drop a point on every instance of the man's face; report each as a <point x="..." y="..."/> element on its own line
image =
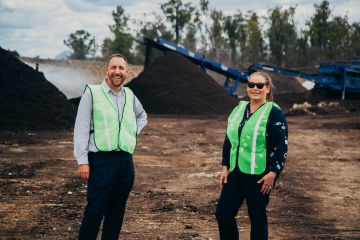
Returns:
<point x="116" y="71"/>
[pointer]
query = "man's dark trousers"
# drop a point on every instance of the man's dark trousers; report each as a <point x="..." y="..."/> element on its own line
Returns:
<point x="242" y="186"/>
<point x="111" y="179"/>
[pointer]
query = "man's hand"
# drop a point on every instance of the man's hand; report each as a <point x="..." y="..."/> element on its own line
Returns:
<point x="84" y="171"/>
<point x="268" y="182"/>
<point x="223" y="177"/>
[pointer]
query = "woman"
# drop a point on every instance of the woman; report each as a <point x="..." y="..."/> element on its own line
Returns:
<point x="254" y="153"/>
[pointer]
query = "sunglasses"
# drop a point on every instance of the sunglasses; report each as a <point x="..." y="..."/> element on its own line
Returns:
<point x="258" y="85"/>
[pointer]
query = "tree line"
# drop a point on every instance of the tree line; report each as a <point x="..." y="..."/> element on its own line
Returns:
<point x="231" y="39"/>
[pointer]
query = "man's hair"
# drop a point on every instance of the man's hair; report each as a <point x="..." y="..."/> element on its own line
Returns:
<point x="117" y="55"/>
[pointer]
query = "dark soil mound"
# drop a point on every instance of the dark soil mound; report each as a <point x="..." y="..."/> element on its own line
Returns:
<point x="317" y="101"/>
<point x="172" y="84"/>
<point x="287" y="100"/>
<point x="286" y="84"/>
<point x="28" y="101"/>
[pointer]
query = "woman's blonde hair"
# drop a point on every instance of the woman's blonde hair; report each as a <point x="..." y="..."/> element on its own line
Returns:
<point x="267" y="78"/>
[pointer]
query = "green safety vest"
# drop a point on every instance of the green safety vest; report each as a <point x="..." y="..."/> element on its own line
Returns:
<point x="250" y="147"/>
<point x="110" y="132"/>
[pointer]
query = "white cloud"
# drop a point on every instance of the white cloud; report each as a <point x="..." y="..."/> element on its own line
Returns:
<point x="38" y="27"/>
<point x="139" y="8"/>
<point x="80" y="5"/>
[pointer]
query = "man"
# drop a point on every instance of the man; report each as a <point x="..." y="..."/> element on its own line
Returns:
<point x="108" y="121"/>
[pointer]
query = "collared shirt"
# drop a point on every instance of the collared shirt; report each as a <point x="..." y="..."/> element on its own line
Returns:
<point x="83" y="130"/>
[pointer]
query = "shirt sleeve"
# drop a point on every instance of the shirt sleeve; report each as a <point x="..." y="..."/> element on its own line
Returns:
<point x="226" y="152"/>
<point x="82" y="128"/>
<point x="141" y="116"/>
<point x="278" y="140"/>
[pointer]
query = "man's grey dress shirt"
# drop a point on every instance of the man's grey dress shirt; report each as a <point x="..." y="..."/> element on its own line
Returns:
<point x="83" y="139"/>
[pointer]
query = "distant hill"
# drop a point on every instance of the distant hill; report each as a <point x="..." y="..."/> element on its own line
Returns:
<point x="63" y="55"/>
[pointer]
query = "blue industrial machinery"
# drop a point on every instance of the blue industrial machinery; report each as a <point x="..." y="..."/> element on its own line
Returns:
<point x="205" y="63"/>
<point x="339" y="76"/>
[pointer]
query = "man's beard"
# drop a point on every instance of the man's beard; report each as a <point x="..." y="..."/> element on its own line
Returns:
<point x="114" y="81"/>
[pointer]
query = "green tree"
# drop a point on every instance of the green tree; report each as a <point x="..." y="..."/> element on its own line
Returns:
<point x="204" y="5"/>
<point x="319" y="29"/>
<point x="234" y="28"/>
<point x="189" y="41"/>
<point x="354" y="46"/>
<point x="281" y="34"/>
<point x="193" y="28"/>
<point x="302" y="50"/>
<point x="339" y="35"/>
<point x="202" y="25"/>
<point x="217" y="41"/>
<point x="151" y="30"/>
<point x="81" y="43"/>
<point x="255" y="45"/>
<point x="123" y="41"/>
<point x="179" y="14"/>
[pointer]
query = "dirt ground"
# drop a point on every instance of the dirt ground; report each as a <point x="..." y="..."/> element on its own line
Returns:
<point x="177" y="164"/>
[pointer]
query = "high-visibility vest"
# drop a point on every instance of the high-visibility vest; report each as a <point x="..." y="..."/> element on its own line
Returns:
<point x="250" y="147"/>
<point x="110" y="132"/>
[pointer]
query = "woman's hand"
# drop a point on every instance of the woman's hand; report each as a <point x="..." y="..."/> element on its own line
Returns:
<point x="84" y="171"/>
<point x="224" y="175"/>
<point x="268" y="182"/>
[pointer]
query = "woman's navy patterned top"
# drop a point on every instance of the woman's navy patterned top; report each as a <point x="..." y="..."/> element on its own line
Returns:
<point x="276" y="141"/>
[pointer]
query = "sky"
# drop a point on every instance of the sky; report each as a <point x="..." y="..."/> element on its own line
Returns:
<point x="37" y="28"/>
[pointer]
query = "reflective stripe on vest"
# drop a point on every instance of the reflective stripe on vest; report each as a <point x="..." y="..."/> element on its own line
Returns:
<point x="250" y="147"/>
<point x="110" y="132"/>
<point x="232" y="131"/>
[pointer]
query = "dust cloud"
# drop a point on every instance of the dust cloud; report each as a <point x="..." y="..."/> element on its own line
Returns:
<point x="70" y="81"/>
<point x="70" y="76"/>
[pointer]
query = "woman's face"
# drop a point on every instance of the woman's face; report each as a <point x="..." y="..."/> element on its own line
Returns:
<point x="256" y="93"/>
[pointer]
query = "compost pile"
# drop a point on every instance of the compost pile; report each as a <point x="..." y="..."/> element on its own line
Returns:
<point x="172" y="84"/>
<point x="28" y="100"/>
<point x="317" y="101"/>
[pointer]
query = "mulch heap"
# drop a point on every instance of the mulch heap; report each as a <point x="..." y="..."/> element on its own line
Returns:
<point x="172" y="84"/>
<point x="28" y="101"/>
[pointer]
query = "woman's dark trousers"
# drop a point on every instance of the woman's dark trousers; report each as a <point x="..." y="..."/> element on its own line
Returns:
<point x="111" y="179"/>
<point x="242" y="186"/>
